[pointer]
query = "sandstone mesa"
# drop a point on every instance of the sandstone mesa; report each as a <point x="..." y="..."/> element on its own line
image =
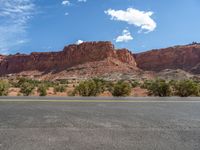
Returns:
<point x="101" y="59"/>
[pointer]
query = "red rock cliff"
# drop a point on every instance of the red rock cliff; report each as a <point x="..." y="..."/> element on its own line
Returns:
<point x="179" y="57"/>
<point x="70" y="56"/>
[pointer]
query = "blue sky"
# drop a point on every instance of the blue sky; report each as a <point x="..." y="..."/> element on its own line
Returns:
<point x="139" y="25"/>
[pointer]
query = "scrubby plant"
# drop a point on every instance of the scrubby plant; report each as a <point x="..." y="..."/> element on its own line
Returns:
<point x="121" y="89"/>
<point x="13" y="83"/>
<point x="59" y="88"/>
<point x="42" y="90"/>
<point x="49" y="83"/>
<point x="71" y="93"/>
<point x="135" y="83"/>
<point x="101" y="85"/>
<point x="21" y="81"/>
<point x="4" y="86"/>
<point x="146" y="84"/>
<point x="90" y="88"/>
<point x="187" y="88"/>
<point x="64" y="81"/>
<point x="26" y="88"/>
<point x="109" y="86"/>
<point x="159" y="88"/>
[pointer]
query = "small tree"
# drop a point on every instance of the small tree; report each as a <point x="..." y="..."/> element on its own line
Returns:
<point x="42" y="89"/>
<point x="4" y="86"/>
<point x="187" y="88"/>
<point x="159" y="88"/>
<point x="27" y="88"/>
<point x="121" y="89"/>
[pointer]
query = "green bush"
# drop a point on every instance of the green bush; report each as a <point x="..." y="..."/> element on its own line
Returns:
<point x="21" y="81"/>
<point x="42" y="89"/>
<point x="121" y="89"/>
<point x="158" y="88"/>
<point x="13" y="83"/>
<point x="4" y="86"/>
<point x="63" y="81"/>
<point x="90" y="88"/>
<point x="146" y="84"/>
<point x="26" y="88"/>
<point x="59" y="88"/>
<point x="187" y="88"/>
<point x="109" y="86"/>
<point x="49" y="83"/>
<point x="101" y="85"/>
<point x="135" y="83"/>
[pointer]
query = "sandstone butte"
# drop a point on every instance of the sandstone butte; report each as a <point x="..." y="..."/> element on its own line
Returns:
<point x="99" y="58"/>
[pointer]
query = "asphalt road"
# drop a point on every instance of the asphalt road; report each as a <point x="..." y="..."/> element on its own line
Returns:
<point x="75" y="124"/>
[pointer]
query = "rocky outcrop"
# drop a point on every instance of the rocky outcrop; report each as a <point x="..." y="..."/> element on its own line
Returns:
<point x="179" y="57"/>
<point x="91" y="59"/>
<point x="71" y="56"/>
<point x="126" y="56"/>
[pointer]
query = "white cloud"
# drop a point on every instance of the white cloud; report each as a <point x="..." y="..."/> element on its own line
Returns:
<point x="125" y="37"/>
<point x="14" y="17"/>
<point x="66" y="2"/>
<point x="79" y="42"/>
<point x="66" y="14"/>
<point x="82" y="1"/>
<point x="135" y="17"/>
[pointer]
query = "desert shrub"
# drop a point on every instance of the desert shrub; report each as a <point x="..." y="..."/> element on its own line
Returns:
<point x="187" y="88"/>
<point x="49" y="83"/>
<point x="59" y="88"/>
<point x="109" y="86"/>
<point x="101" y="85"/>
<point x="158" y="88"/>
<point x="63" y="81"/>
<point x="121" y="89"/>
<point x="42" y="90"/>
<point x="146" y="84"/>
<point x="21" y="81"/>
<point x="26" y="88"/>
<point x="71" y="93"/>
<point x="135" y="83"/>
<point x="4" y="86"/>
<point x="90" y="88"/>
<point x="13" y="83"/>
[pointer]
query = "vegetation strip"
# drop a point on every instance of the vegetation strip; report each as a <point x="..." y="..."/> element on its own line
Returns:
<point x="103" y="101"/>
<point x="100" y="87"/>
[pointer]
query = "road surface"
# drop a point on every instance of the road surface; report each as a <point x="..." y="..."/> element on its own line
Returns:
<point x="99" y="124"/>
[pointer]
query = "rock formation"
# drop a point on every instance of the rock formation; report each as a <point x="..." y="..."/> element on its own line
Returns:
<point x="91" y="59"/>
<point x="185" y="57"/>
<point x="71" y="56"/>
